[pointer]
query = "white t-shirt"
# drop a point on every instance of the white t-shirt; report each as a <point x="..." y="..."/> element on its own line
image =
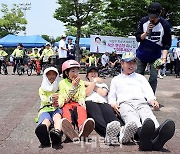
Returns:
<point x="177" y="53"/>
<point x="95" y="97"/>
<point x="62" y="53"/>
<point x="104" y="59"/>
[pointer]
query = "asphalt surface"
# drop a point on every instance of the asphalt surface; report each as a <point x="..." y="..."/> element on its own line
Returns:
<point x="19" y="103"/>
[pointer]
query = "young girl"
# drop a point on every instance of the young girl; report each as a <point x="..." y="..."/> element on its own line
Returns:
<point x="49" y="112"/>
<point x="72" y="101"/>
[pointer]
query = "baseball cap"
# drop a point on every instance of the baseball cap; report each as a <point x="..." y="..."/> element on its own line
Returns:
<point x="92" y="68"/>
<point x="128" y="56"/>
<point x="154" y="10"/>
<point x="48" y="44"/>
<point x="1" y="46"/>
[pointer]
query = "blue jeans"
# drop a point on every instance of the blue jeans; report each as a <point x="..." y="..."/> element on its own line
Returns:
<point x="153" y="73"/>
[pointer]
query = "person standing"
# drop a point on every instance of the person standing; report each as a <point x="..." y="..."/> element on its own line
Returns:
<point x="154" y="35"/>
<point x="71" y="49"/>
<point x="62" y="53"/>
<point x="105" y="59"/>
<point x="177" y="55"/>
<point x="3" y="54"/>
<point x="18" y="55"/>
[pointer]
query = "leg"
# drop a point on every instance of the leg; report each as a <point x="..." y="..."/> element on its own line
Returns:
<point x="153" y="77"/>
<point x="66" y="112"/>
<point x="86" y="126"/>
<point x="42" y="130"/>
<point x="94" y="112"/>
<point x="145" y="112"/>
<point x="55" y="134"/>
<point x="141" y="67"/>
<point x="38" y="66"/>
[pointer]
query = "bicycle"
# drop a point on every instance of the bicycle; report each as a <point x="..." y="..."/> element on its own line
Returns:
<point x="3" y="65"/>
<point x="31" y="66"/>
<point x="19" y="66"/>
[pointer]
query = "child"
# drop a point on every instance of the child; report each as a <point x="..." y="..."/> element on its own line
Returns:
<point x="72" y="101"/>
<point x="35" y="54"/>
<point x="49" y="112"/>
<point x="130" y="93"/>
<point x="106" y="123"/>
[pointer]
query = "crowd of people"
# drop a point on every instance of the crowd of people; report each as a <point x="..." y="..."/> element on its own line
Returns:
<point x="76" y="107"/>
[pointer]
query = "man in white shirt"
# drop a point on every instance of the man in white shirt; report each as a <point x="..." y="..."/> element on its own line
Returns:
<point x="62" y="53"/>
<point x="130" y="93"/>
<point x="105" y="59"/>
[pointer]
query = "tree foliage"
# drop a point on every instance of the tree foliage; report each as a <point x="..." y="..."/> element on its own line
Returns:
<point x="77" y="13"/>
<point x="13" y="21"/>
<point x="125" y="14"/>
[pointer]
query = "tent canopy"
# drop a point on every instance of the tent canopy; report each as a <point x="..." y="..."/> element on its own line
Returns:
<point x="27" y="41"/>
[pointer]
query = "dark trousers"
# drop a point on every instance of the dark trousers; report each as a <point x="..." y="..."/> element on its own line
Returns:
<point x="16" y="61"/>
<point x="60" y="61"/>
<point x="153" y="73"/>
<point x="102" y="115"/>
<point x="177" y="67"/>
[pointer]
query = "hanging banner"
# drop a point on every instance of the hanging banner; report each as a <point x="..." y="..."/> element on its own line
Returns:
<point x="100" y="44"/>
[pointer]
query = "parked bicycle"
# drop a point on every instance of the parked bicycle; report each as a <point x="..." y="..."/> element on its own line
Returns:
<point x="3" y="68"/>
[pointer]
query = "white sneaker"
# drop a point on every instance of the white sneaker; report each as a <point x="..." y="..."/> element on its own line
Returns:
<point x="87" y="128"/>
<point x="127" y="132"/>
<point x="159" y="76"/>
<point x="112" y="130"/>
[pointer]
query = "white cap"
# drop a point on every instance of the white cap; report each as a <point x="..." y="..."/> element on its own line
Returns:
<point x="48" y="44"/>
<point x="1" y="46"/>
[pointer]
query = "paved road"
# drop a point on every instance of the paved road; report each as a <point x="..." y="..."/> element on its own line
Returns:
<point x="19" y="103"/>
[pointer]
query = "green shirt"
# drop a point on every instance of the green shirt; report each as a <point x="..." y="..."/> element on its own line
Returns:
<point x="66" y="89"/>
<point x="18" y="53"/>
<point x="3" y="53"/>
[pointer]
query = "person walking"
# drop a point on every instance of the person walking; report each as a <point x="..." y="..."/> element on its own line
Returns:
<point x="154" y="35"/>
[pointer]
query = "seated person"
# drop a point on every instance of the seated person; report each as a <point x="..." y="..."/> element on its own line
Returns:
<point x="106" y="123"/>
<point x="130" y="94"/>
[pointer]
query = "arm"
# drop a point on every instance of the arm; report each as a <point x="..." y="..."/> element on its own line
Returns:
<point x="166" y="41"/>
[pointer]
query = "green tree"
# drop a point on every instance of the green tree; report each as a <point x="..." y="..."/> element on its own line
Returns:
<point x="77" y="13"/>
<point x="13" y="21"/>
<point x="125" y="14"/>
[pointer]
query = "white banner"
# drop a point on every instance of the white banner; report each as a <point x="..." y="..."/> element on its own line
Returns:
<point x="100" y="44"/>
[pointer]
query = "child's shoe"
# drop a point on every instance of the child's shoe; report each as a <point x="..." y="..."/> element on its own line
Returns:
<point x="87" y="128"/>
<point x="43" y="135"/>
<point x="68" y="130"/>
<point x="56" y="138"/>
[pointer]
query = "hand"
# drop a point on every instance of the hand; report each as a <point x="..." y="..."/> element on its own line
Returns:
<point x="75" y="81"/>
<point x="99" y="80"/>
<point x="155" y="104"/>
<point x="115" y="107"/>
<point x="82" y="103"/>
<point x="150" y="27"/>
<point x="55" y="97"/>
<point x="55" y="104"/>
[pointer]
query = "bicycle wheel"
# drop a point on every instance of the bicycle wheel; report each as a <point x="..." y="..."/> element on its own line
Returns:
<point x="29" y="70"/>
<point x="19" y="69"/>
<point x="4" y="69"/>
